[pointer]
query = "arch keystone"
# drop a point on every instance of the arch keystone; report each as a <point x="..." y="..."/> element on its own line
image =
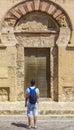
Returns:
<point x="36" y="4"/>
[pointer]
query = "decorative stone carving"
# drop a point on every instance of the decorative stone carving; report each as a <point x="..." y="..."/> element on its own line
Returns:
<point x="28" y="6"/>
<point x="68" y="93"/>
<point x="36" y="41"/>
<point x="31" y="26"/>
<point x="7" y="26"/>
<point x="22" y="9"/>
<point x="62" y="22"/>
<point x="4" y="94"/>
<point x="36" y="22"/>
<point x="20" y="96"/>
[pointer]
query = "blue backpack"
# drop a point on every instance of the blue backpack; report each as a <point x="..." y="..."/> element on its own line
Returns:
<point x="32" y="96"/>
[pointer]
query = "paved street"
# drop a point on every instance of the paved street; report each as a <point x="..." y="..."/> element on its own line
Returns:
<point x="20" y="124"/>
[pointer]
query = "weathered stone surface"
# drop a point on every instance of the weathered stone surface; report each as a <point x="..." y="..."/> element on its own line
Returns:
<point x="37" y="24"/>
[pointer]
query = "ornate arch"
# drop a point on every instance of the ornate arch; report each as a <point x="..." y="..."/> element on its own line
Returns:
<point x="52" y="9"/>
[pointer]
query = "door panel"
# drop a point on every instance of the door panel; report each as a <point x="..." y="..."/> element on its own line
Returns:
<point x="37" y="66"/>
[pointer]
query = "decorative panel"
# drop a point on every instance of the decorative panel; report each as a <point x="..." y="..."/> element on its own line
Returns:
<point x="4" y="93"/>
<point x="68" y="93"/>
<point x="36" y="40"/>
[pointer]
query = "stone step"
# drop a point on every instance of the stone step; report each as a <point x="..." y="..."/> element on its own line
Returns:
<point x="41" y="112"/>
<point x="40" y="117"/>
<point x="51" y="109"/>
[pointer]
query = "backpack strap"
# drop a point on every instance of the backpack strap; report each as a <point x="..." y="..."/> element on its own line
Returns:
<point x="31" y="88"/>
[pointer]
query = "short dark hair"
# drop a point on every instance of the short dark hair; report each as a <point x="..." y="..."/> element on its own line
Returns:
<point x="32" y="82"/>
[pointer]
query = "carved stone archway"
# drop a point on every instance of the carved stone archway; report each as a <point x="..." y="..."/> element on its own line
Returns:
<point x="52" y="9"/>
<point x="10" y="32"/>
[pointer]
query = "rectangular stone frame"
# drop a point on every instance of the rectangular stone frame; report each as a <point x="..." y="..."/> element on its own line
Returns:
<point x="20" y="71"/>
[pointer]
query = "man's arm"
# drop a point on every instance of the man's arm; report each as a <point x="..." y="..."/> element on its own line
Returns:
<point x="38" y="94"/>
<point x="26" y="99"/>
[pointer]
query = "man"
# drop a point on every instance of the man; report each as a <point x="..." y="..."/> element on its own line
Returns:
<point x="31" y="101"/>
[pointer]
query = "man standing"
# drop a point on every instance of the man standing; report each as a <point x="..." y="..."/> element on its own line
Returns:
<point x="31" y="101"/>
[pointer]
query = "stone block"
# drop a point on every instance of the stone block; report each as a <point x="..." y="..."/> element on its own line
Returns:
<point x="3" y="72"/>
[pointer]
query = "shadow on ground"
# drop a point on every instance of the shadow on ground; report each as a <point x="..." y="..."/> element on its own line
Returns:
<point x="20" y="125"/>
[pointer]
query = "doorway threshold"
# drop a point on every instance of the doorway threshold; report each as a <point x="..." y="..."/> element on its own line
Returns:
<point x="45" y="99"/>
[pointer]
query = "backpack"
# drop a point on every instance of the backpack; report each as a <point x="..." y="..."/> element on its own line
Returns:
<point x="32" y="96"/>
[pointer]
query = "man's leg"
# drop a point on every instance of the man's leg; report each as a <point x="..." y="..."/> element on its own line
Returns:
<point x="35" y="114"/>
<point x="29" y="114"/>
<point x="29" y="121"/>
<point x="35" y="121"/>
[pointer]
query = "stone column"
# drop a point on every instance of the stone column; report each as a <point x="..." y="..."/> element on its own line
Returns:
<point x="11" y="55"/>
<point x="20" y="72"/>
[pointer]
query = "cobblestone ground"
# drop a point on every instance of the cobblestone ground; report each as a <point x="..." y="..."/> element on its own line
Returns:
<point x="42" y="125"/>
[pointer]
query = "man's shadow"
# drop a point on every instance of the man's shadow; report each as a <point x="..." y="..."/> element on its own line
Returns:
<point x="19" y="124"/>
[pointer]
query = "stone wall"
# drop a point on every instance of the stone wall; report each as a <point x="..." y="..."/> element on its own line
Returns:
<point x="66" y="72"/>
<point x="12" y="60"/>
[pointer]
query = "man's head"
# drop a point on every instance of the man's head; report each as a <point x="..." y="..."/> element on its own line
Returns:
<point x="32" y="82"/>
